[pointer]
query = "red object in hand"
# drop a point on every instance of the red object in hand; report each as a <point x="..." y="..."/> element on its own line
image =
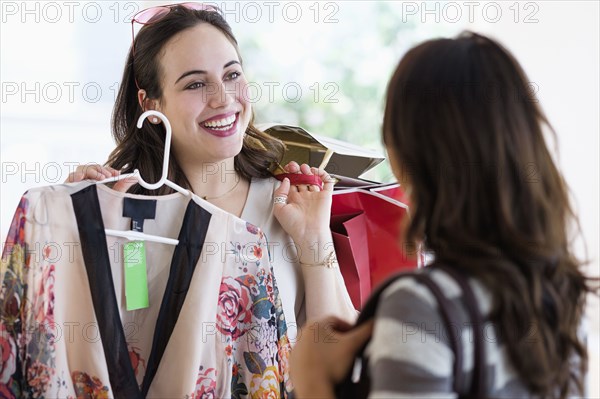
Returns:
<point x="299" y="179"/>
<point x="366" y="229"/>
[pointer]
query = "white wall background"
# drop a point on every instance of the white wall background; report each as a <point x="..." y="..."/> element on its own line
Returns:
<point x="60" y="63"/>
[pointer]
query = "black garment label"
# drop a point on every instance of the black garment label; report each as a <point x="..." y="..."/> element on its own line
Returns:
<point x="139" y="210"/>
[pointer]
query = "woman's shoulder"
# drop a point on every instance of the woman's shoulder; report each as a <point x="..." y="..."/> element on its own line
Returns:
<point x="258" y="209"/>
<point x="409" y="351"/>
<point x="410" y="290"/>
<point x="264" y="183"/>
<point x="408" y="300"/>
<point x="260" y="195"/>
<point x="412" y="338"/>
<point x="408" y="306"/>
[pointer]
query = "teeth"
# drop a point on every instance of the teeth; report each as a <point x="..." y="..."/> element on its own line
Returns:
<point x="221" y="123"/>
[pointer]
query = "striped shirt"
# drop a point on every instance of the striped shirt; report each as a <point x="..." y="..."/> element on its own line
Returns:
<point x="410" y="354"/>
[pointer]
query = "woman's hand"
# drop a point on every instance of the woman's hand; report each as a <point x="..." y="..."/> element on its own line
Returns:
<point x="307" y="211"/>
<point x="99" y="172"/>
<point x="324" y="354"/>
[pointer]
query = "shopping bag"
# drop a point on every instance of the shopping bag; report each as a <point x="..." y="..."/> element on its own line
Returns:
<point x="335" y="156"/>
<point x="349" y="233"/>
<point x="366" y="216"/>
<point x="365" y="225"/>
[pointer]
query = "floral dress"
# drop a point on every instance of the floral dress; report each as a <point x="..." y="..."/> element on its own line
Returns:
<point x="214" y="326"/>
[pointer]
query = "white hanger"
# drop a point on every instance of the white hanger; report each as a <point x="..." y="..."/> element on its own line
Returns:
<point x="136" y="235"/>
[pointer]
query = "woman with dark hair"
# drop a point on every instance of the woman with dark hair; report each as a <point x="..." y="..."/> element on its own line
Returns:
<point x="465" y="139"/>
<point x="185" y="63"/>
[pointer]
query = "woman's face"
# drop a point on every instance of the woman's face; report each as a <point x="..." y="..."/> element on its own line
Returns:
<point x="203" y="89"/>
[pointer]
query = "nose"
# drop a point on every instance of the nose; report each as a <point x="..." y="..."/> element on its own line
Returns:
<point x="219" y="96"/>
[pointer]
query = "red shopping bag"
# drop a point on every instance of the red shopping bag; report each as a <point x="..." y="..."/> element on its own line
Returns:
<point x="348" y="232"/>
<point x="365" y="224"/>
<point x="366" y="215"/>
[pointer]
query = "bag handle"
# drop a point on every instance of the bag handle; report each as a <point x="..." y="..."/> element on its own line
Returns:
<point x="479" y="379"/>
<point x="300" y="179"/>
<point x="449" y="314"/>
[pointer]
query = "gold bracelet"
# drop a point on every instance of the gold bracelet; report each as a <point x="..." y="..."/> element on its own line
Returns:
<point x="330" y="261"/>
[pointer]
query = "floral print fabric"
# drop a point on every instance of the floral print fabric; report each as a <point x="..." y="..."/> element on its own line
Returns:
<point x="25" y="352"/>
<point x="247" y="356"/>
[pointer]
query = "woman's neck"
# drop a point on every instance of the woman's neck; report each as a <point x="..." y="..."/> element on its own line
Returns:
<point x="220" y="184"/>
<point x="211" y="179"/>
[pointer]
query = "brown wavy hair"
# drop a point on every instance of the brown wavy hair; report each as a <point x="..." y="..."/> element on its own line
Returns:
<point x="143" y="148"/>
<point x="467" y="135"/>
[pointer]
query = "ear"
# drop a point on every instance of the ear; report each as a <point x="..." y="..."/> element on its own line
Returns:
<point x="148" y="104"/>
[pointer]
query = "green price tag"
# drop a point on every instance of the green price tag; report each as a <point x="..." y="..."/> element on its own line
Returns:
<point x="136" y="279"/>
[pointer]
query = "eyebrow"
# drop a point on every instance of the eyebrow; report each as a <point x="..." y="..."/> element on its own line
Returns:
<point x="201" y="72"/>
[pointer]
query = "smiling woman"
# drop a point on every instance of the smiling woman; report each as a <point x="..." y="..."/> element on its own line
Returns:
<point x="186" y="64"/>
<point x="229" y="313"/>
<point x="202" y="93"/>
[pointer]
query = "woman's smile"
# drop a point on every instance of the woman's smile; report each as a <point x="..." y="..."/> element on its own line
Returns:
<point x="223" y="125"/>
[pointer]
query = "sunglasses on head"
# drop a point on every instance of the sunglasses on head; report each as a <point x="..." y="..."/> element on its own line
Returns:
<point x="155" y="14"/>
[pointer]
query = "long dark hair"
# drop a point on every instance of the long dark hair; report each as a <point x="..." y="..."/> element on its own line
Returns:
<point x="488" y="199"/>
<point x="143" y="148"/>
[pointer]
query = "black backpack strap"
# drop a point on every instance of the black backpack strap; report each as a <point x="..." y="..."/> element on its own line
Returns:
<point x="479" y="376"/>
<point x="360" y="389"/>
<point x="452" y="321"/>
<point x="450" y="318"/>
<point x="368" y="311"/>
